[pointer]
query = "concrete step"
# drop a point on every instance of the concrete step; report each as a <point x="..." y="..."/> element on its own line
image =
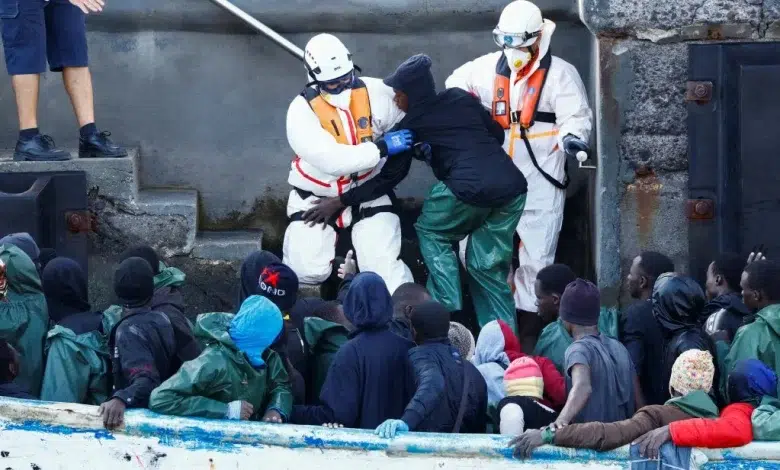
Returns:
<point x="166" y="219"/>
<point x="113" y="178"/>
<point x="227" y="246"/>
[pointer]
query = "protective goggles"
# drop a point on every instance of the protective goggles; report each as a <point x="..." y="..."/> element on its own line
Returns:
<point x="514" y="41"/>
<point x="337" y="85"/>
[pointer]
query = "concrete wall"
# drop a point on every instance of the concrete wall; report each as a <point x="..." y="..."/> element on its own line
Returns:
<point x="205" y="99"/>
<point x="67" y="436"/>
<point x="643" y="57"/>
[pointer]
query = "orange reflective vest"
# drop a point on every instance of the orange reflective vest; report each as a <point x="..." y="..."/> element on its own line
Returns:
<point x="528" y="114"/>
<point x="360" y="129"/>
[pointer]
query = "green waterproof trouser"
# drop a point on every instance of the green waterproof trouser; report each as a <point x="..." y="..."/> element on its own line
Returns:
<point x="444" y="220"/>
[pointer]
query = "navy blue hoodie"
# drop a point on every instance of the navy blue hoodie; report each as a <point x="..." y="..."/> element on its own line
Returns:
<point x="369" y="380"/>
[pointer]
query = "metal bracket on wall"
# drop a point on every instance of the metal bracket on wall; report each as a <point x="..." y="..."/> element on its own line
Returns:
<point x="698" y="92"/>
<point x="80" y="221"/>
<point x="700" y="209"/>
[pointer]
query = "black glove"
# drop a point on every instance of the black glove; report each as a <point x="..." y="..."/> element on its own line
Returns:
<point x="422" y="152"/>
<point x="573" y="145"/>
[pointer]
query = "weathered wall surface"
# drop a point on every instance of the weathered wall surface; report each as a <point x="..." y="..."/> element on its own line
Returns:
<point x="205" y="98"/>
<point x="643" y="145"/>
<point x="67" y="436"/>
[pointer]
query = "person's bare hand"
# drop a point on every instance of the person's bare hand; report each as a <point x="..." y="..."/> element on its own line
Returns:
<point x="247" y="410"/>
<point x="323" y="211"/>
<point x="558" y="424"/>
<point x="758" y="254"/>
<point x="650" y="443"/>
<point x="3" y="280"/>
<point x="272" y="416"/>
<point x="525" y="443"/>
<point x="113" y="413"/>
<point x="89" y="6"/>
<point x="333" y="425"/>
<point x="349" y="266"/>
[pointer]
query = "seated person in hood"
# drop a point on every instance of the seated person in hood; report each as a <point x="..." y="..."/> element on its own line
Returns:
<point x="678" y="303"/>
<point x="369" y="380"/>
<point x="143" y="343"/>
<point x="640" y="332"/>
<point x="451" y="394"/>
<point x="521" y="408"/>
<point x="77" y="360"/>
<point x="480" y="193"/>
<point x="25" y="242"/>
<point x="748" y="384"/>
<point x="760" y="339"/>
<point x="405" y="298"/>
<point x="237" y="376"/>
<point x="168" y="299"/>
<point x="9" y="370"/>
<point x="691" y="384"/>
<point x="600" y="378"/>
<point x="725" y="311"/>
<point x="23" y="314"/>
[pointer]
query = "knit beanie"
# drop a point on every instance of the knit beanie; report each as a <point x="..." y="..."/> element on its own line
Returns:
<point x="414" y="78"/>
<point x="693" y="370"/>
<point x="523" y="378"/>
<point x="146" y="252"/>
<point x="462" y="339"/>
<point x="279" y="284"/>
<point x="134" y="282"/>
<point x="580" y="303"/>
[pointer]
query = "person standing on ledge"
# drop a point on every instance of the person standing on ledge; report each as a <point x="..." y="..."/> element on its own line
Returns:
<point x="34" y="31"/>
<point x="541" y="103"/>
<point x="340" y="130"/>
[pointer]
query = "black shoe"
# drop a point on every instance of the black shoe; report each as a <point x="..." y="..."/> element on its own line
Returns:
<point x="98" y="145"/>
<point x="40" y="148"/>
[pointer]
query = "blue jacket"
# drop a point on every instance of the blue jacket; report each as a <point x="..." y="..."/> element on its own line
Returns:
<point x="369" y="380"/>
<point x="439" y="376"/>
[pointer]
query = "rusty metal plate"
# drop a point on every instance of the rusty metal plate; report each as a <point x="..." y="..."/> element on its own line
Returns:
<point x="700" y="209"/>
<point x="80" y="221"/>
<point x="699" y="92"/>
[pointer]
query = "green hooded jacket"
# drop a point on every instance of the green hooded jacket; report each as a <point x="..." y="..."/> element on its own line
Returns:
<point x="24" y="317"/>
<point x="169" y="277"/>
<point x="77" y="365"/>
<point x="324" y="339"/>
<point x="759" y="340"/>
<point x="697" y="404"/>
<point x="204" y="387"/>
<point x="555" y="340"/>
<point x="766" y="420"/>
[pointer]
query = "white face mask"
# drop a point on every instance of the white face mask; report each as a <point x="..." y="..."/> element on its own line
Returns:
<point x="517" y="59"/>
<point x="340" y="101"/>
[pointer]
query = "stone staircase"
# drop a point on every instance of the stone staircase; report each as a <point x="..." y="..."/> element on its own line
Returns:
<point x="166" y="219"/>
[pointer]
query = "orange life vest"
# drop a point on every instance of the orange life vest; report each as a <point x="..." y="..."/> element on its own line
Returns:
<point x="528" y="115"/>
<point x="360" y="130"/>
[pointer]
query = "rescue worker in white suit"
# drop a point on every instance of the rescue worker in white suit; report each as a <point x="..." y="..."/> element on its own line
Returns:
<point x="540" y="127"/>
<point x="339" y="128"/>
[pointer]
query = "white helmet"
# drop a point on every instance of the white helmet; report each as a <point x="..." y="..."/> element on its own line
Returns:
<point x="326" y="58"/>
<point x="520" y="25"/>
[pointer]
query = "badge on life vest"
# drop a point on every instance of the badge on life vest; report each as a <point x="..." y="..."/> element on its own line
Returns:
<point x="362" y="122"/>
<point x="501" y="108"/>
<point x="531" y="91"/>
<point x="500" y="93"/>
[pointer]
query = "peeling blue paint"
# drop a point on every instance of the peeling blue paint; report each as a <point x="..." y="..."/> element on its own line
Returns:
<point x="35" y="426"/>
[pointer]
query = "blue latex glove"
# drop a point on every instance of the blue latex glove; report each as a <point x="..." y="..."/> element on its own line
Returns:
<point x="390" y="428"/>
<point x="573" y="145"/>
<point x="398" y="141"/>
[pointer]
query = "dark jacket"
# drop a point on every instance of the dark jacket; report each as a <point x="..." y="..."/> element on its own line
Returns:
<point x="439" y="374"/>
<point x="142" y="346"/>
<point x="13" y="390"/>
<point x="642" y="336"/>
<point x="466" y="153"/>
<point x="170" y="301"/>
<point x="726" y="313"/>
<point x="369" y="380"/>
<point x="402" y="328"/>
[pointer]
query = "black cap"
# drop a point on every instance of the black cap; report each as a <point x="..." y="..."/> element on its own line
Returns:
<point x="279" y="284"/>
<point x="414" y="78"/>
<point x="134" y="282"/>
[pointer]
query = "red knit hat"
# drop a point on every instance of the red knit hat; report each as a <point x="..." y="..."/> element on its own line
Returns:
<point x="523" y="377"/>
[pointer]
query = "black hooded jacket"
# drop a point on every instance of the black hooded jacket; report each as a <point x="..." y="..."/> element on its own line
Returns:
<point x="727" y="313"/>
<point x="678" y="306"/>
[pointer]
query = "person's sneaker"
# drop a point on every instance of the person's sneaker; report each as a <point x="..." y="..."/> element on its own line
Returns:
<point x="98" y="145"/>
<point x="40" y="148"/>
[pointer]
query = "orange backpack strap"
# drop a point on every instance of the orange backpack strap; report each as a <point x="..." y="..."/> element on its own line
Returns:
<point x="533" y="92"/>
<point x="360" y="107"/>
<point x="501" y="110"/>
<point x="327" y="114"/>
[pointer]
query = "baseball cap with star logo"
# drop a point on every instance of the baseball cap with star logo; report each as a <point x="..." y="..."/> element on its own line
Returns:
<point x="279" y="284"/>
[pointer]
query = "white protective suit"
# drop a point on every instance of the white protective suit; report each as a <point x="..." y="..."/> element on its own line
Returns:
<point x="565" y="95"/>
<point x="323" y="167"/>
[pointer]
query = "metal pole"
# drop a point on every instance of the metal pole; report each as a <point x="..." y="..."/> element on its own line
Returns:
<point x="261" y="28"/>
